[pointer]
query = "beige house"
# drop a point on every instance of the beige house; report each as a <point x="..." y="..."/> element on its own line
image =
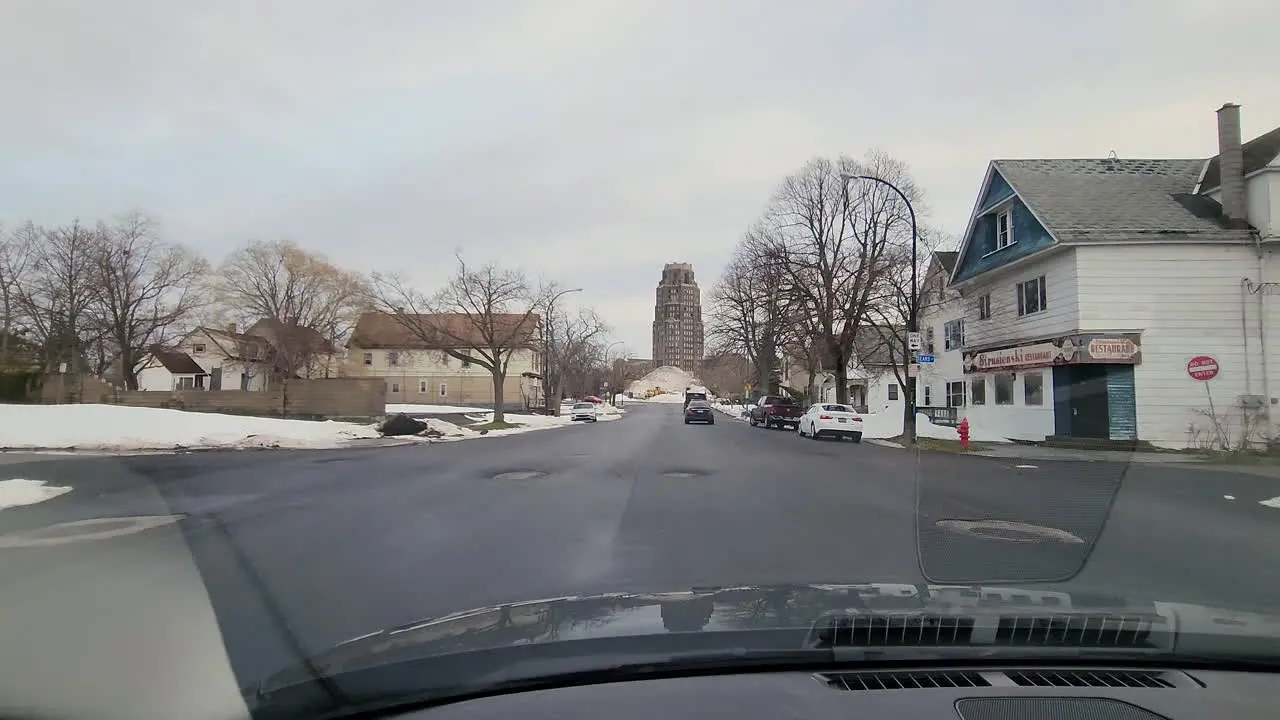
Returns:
<point x="423" y="373"/>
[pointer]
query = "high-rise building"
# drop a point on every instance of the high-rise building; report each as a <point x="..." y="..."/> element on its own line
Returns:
<point x="677" y="319"/>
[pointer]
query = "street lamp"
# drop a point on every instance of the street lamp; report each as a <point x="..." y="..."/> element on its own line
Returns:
<point x="912" y="326"/>
<point x="608" y="368"/>
<point x="548" y="342"/>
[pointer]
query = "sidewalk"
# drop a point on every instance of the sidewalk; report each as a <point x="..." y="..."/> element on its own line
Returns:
<point x="1014" y="451"/>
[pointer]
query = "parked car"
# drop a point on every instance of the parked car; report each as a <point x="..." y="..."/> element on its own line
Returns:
<point x="775" y="411"/>
<point x="830" y="420"/>
<point x="699" y="411"/>
<point x="587" y="411"/>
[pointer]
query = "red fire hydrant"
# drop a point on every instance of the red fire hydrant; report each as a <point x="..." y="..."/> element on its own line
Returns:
<point x="963" y="429"/>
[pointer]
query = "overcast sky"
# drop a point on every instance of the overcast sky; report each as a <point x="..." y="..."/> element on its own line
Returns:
<point x="588" y="140"/>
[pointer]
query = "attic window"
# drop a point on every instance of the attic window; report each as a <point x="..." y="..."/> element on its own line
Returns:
<point x="1004" y="229"/>
<point x="198" y="349"/>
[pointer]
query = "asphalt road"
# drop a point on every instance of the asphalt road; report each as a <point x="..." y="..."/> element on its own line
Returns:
<point x="301" y="550"/>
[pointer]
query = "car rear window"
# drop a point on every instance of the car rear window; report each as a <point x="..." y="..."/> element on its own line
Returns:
<point x="699" y="403"/>
<point x="778" y="400"/>
<point x="583" y="406"/>
<point x="837" y="408"/>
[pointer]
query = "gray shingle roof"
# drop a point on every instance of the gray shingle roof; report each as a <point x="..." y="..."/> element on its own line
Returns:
<point x="1258" y="152"/>
<point x="947" y="258"/>
<point x="1110" y="198"/>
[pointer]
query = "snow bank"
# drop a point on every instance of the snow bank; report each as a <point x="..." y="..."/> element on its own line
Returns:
<point x="18" y="492"/>
<point x="116" y="427"/>
<point x="666" y="378"/>
<point x="410" y="408"/>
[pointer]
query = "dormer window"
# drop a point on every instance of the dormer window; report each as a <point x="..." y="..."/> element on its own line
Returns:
<point x="1004" y="229"/>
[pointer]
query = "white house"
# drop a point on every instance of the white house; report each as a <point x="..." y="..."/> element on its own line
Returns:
<point x="941" y="383"/>
<point x="226" y="359"/>
<point x="1088" y="286"/>
<point x="873" y="384"/>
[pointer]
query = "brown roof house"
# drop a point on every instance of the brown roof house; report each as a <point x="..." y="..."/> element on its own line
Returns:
<point x="411" y="355"/>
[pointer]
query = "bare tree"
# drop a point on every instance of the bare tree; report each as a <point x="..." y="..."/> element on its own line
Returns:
<point x="834" y="239"/>
<point x="15" y="254"/>
<point x="144" y="289"/>
<point x="303" y="303"/>
<point x="58" y="298"/>
<point x="748" y="307"/>
<point x="572" y="346"/>
<point x="484" y="316"/>
<point x="886" y="331"/>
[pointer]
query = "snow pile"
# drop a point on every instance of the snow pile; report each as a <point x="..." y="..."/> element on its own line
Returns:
<point x="18" y="492"/>
<point x="116" y="427"/>
<point x="676" y="397"/>
<point x="412" y="409"/>
<point x="737" y="412"/>
<point x="666" y="379"/>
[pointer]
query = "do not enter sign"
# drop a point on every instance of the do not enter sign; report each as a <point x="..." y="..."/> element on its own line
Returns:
<point x="1202" y="367"/>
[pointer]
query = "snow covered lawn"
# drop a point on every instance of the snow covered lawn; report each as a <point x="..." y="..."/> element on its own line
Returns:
<point x="410" y="408"/>
<point x="477" y="416"/>
<point x="121" y="428"/>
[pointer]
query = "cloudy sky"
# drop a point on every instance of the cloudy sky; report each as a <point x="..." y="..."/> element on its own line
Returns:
<point x="586" y="140"/>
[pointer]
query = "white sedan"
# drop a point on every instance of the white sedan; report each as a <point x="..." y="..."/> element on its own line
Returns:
<point x="830" y="420"/>
<point x="584" y="411"/>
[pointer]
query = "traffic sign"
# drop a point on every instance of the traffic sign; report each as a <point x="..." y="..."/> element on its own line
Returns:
<point x="914" y="341"/>
<point x="1202" y="367"/>
<point x="924" y="358"/>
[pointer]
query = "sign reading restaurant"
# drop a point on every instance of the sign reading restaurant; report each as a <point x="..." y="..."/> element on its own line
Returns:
<point x="1125" y="349"/>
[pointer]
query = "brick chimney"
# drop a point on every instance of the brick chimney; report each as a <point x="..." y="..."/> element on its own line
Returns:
<point x="1231" y="164"/>
<point x="231" y="328"/>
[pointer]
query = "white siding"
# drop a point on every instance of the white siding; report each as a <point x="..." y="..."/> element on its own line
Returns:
<point x="1016" y="421"/>
<point x="1262" y="199"/>
<point x="1061" y="316"/>
<point x="1187" y="301"/>
<point x="155" y="378"/>
<point x="947" y="365"/>
<point x="410" y="363"/>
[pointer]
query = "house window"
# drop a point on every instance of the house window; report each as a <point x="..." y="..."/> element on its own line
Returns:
<point x="1004" y="388"/>
<point x="393" y="359"/>
<point x="395" y="387"/>
<point x="928" y="340"/>
<point x="1004" y="229"/>
<point x="444" y="390"/>
<point x="953" y="333"/>
<point x="197" y="349"/>
<point x="893" y="391"/>
<point x="466" y="362"/>
<point x="1031" y="296"/>
<point x="984" y="307"/>
<point x="422" y="387"/>
<point x="978" y="390"/>
<point x="186" y="382"/>
<point x="927" y="396"/>
<point x="1033" y="388"/>
<point x="368" y="358"/>
<point x="955" y="394"/>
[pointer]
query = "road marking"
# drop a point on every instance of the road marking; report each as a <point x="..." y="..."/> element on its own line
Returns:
<point x="1272" y="503"/>
<point x="519" y="475"/>
<point x="1229" y="497"/>
<point x="1010" y="531"/>
<point x="1026" y="467"/>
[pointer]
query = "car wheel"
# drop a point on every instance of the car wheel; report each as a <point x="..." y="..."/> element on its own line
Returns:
<point x="686" y="422"/>
<point x="857" y="437"/>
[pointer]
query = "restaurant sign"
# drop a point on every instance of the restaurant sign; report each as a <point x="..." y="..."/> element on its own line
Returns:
<point x="1084" y="348"/>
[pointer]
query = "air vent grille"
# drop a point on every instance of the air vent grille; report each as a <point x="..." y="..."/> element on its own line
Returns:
<point x="860" y="681"/>
<point x="1128" y="631"/>
<point x="894" y="630"/>
<point x="1090" y="678"/>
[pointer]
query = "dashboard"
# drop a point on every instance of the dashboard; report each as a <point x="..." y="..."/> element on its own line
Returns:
<point x="1029" y="693"/>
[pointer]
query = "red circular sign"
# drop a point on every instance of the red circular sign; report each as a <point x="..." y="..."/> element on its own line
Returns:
<point x="1202" y="367"/>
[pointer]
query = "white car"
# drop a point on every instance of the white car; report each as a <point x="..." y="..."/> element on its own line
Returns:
<point x="830" y="420"/>
<point x="584" y="411"/>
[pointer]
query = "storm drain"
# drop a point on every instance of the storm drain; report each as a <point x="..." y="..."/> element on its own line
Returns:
<point x="1010" y="531"/>
<point x="519" y="475"/>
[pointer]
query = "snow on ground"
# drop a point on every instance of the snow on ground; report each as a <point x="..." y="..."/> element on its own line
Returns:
<point x="18" y="492"/>
<point x="668" y="378"/>
<point x="525" y="423"/>
<point x="394" y="408"/>
<point x="737" y="412"/>
<point x="118" y="428"/>
<point x="676" y="397"/>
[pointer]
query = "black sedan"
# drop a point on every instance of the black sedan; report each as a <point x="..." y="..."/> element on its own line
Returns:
<point x="699" y="411"/>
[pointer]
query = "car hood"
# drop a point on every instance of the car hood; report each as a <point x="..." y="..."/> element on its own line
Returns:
<point x="703" y="611"/>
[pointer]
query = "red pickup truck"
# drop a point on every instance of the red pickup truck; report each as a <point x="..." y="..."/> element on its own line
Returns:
<point x="775" y="411"/>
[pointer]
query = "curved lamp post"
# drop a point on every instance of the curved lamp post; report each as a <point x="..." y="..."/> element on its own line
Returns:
<point x="548" y="344"/>
<point x="913" y="314"/>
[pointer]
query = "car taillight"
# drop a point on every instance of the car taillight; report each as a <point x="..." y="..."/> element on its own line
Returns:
<point x="824" y="417"/>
